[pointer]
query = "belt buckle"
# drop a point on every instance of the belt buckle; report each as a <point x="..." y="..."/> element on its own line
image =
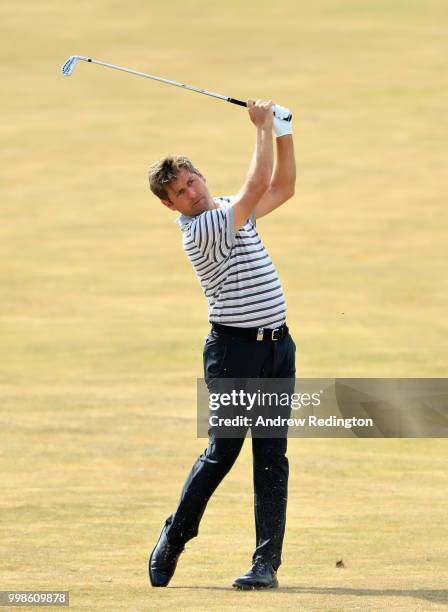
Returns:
<point x="273" y="338"/>
<point x="260" y="334"/>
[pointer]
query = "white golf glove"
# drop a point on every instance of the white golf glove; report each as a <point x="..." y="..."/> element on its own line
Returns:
<point x="282" y="126"/>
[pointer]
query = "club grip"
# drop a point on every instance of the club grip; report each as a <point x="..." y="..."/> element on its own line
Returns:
<point x="242" y="103"/>
<point x="235" y="101"/>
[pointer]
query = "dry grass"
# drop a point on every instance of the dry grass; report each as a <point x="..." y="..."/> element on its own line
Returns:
<point x="102" y="319"/>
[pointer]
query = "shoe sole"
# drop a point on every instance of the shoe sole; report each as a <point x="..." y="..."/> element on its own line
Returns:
<point x="248" y="587"/>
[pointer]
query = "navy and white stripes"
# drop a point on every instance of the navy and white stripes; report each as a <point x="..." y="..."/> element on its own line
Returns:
<point x="234" y="269"/>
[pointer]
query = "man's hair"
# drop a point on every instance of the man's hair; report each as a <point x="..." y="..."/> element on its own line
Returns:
<point x="162" y="172"/>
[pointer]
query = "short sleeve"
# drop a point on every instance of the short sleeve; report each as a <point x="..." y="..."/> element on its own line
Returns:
<point x="226" y="201"/>
<point x="213" y="232"/>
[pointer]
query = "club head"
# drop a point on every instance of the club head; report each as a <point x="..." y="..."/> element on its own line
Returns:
<point x="70" y="64"/>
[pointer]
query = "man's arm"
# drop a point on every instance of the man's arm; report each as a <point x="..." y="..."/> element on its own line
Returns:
<point x="281" y="187"/>
<point x="260" y="171"/>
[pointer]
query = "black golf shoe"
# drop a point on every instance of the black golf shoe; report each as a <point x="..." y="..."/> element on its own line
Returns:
<point x="163" y="561"/>
<point x="260" y="576"/>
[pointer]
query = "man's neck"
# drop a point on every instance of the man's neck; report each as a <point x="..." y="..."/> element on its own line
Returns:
<point x="212" y="205"/>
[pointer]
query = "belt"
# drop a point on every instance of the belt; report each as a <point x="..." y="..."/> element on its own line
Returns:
<point x="259" y="334"/>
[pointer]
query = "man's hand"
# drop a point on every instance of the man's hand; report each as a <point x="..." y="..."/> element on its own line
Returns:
<point x="260" y="113"/>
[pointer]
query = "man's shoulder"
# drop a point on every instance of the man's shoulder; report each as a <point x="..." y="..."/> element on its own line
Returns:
<point x="226" y="202"/>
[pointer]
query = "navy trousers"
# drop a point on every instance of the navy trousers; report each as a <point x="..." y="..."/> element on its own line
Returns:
<point x="228" y="356"/>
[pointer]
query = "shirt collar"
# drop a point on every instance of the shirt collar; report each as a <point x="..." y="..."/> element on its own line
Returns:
<point x="183" y="220"/>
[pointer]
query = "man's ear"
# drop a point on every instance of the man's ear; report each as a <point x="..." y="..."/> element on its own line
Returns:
<point x="168" y="204"/>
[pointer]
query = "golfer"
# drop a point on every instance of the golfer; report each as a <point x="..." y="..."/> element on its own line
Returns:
<point x="248" y="339"/>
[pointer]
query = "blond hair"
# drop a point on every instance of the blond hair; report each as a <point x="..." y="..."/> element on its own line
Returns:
<point x="166" y="170"/>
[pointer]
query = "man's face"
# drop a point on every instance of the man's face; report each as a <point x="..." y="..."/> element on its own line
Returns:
<point x="188" y="194"/>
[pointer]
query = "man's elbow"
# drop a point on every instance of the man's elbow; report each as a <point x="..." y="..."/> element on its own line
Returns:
<point x="289" y="193"/>
<point x="282" y="191"/>
<point x="259" y="187"/>
<point x="285" y="194"/>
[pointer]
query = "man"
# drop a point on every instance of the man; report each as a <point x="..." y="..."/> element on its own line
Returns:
<point x="249" y="337"/>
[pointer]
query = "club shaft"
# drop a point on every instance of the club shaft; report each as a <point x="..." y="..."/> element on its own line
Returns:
<point x="168" y="82"/>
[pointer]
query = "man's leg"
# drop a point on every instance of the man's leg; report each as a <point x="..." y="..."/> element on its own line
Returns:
<point x="271" y="467"/>
<point x="206" y="474"/>
<point x="271" y="470"/>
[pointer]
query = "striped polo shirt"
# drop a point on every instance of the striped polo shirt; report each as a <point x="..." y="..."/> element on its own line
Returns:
<point x="234" y="269"/>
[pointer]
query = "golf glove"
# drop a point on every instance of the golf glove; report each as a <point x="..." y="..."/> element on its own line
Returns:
<point x="282" y="126"/>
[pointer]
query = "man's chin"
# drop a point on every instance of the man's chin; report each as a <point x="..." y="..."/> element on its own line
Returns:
<point x="199" y="207"/>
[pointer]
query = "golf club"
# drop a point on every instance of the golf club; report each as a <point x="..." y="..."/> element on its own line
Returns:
<point x="69" y="66"/>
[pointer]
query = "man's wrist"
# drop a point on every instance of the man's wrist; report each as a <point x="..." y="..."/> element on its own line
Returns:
<point x="283" y="137"/>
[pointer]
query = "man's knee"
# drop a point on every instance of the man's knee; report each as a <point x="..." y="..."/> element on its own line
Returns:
<point x="223" y="452"/>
